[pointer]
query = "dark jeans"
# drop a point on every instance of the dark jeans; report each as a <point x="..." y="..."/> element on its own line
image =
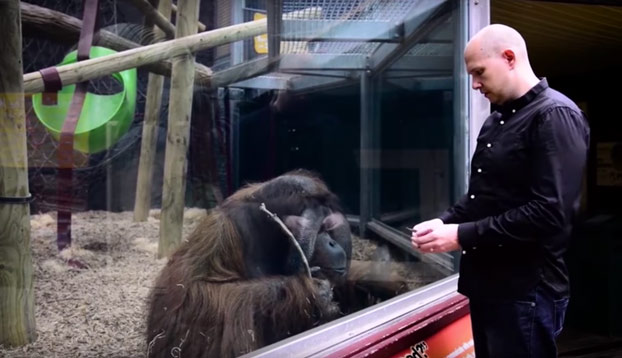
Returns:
<point x="518" y="328"/>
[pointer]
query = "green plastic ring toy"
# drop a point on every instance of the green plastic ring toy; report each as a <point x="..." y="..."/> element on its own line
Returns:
<point x="104" y="118"/>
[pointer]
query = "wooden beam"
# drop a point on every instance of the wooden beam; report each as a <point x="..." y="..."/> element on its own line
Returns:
<point x="178" y="134"/>
<point x="107" y="65"/>
<point x="142" y="201"/>
<point x="17" y="326"/>
<point x="46" y="23"/>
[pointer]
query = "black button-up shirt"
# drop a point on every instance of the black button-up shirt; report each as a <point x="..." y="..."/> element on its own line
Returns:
<point x="524" y="190"/>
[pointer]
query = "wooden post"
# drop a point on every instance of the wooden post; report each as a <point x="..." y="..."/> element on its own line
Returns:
<point x="17" y="322"/>
<point x="202" y="26"/>
<point x="178" y="133"/>
<point x="275" y="22"/>
<point x="142" y="202"/>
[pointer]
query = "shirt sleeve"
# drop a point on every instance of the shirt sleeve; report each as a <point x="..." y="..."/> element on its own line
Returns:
<point x="558" y="155"/>
<point x="458" y="213"/>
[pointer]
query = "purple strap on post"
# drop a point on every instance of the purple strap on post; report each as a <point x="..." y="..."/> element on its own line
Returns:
<point x="51" y="85"/>
<point x="65" y="149"/>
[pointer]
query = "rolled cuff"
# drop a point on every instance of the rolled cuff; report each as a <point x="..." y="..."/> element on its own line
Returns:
<point x="467" y="235"/>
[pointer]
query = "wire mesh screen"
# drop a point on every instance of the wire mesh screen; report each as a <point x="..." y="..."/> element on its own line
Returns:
<point x="361" y="10"/>
<point x="320" y="17"/>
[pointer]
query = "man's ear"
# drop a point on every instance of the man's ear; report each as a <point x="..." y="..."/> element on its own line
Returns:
<point x="510" y="57"/>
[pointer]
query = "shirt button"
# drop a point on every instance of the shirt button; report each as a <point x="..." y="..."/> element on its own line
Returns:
<point x="489" y="145"/>
<point x="502" y="122"/>
<point x="513" y="111"/>
<point x="500" y="245"/>
<point x="464" y="252"/>
<point x="474" y="247"/>
<point x="479" y="170"/>
<point x="472" y="196"/>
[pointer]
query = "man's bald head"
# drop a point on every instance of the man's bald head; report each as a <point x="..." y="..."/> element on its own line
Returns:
<point x="494" y="39"/>
<point x="496" y="58"/>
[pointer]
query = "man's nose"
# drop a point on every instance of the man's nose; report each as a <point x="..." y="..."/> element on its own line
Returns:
<point x="476" y="85"/>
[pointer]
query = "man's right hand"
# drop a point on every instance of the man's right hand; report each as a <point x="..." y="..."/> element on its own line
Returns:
<point x="424" y="228"/>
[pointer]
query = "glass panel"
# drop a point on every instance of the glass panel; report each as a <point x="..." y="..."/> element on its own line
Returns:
<point x="155" y="242"/>
<point x="418" y="125"/>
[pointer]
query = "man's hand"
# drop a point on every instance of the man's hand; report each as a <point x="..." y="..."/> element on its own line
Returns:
<point x="424" y="228"/>
<point x="439" y="238"/>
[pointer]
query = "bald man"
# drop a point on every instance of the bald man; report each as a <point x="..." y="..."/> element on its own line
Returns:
<point x="514" y="223"/>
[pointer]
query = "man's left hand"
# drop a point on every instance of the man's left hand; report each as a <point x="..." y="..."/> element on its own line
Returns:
<point x="443" y="238"/>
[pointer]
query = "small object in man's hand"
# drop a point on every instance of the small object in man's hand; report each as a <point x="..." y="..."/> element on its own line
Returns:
<point x="414" y="231"/>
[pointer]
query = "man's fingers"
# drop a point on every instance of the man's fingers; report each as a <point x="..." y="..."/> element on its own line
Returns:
<point x="423" y="232"/>
<point x="422" y="240"/>
<point x="429" y="248"/>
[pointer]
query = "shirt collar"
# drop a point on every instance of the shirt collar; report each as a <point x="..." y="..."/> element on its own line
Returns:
<point x="514" y="105"/>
